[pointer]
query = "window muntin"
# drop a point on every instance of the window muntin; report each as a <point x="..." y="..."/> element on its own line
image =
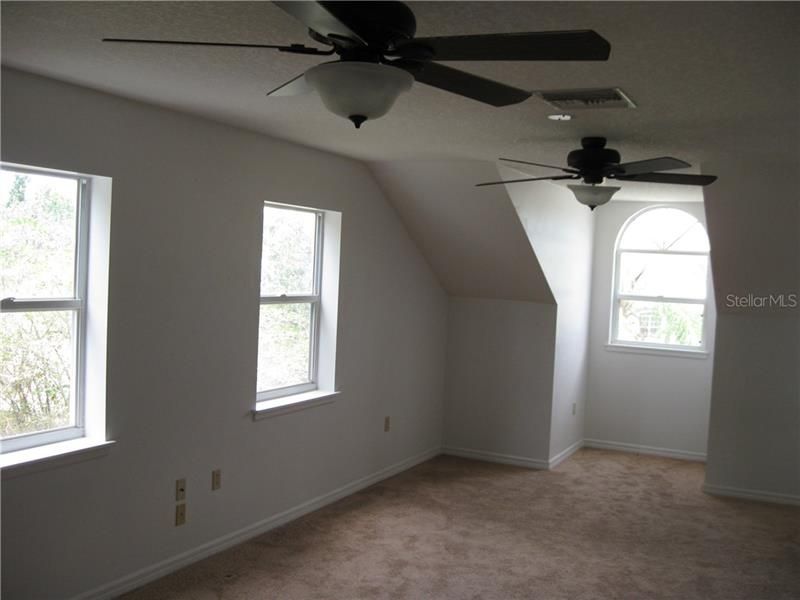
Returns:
<point x="291" y="268"/>
<point x="43" y="268"/>
<point x="660" y="281"/>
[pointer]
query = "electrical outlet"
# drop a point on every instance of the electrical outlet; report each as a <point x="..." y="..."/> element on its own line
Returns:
<point x="574" y="407"/>
<point x="180" y="490"/>
<point x="180" y="515"/>
<point x="216" y="479"/>
<point x="387" y="423"/>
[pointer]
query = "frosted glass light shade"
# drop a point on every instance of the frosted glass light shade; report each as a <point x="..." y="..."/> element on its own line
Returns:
<point x="358" y="90"/>
<point x="593" y="195"/>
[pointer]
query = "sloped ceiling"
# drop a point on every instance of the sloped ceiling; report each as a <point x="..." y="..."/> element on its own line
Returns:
<point x="472" y="237"/>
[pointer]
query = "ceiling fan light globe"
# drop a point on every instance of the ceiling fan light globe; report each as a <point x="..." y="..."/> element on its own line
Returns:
<point x="362" y="89"/>
<point x="593" y="195"/>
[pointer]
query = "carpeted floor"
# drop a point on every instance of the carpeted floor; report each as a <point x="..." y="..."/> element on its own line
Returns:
<point x="603" y="525"/>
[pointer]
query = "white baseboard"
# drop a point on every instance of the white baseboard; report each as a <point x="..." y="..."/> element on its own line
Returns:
<point x="495" y="457"/>
<point x="731" y="492"/>
<point x="564" y="454"/>
<point x="155" y="571"/>
<point x="639" y="449"/>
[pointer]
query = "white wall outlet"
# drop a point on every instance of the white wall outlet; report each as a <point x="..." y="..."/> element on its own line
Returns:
<point x="216" y="479"/>
<point x="180" y="489"/>
<point x="180" y="515"/>
<point x="574" y="408"/>
<point x="387" y="423"/>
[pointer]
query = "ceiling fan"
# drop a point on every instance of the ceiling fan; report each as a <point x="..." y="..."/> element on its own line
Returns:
<point x="594" y="163"/>
<point x="379" y="57"/>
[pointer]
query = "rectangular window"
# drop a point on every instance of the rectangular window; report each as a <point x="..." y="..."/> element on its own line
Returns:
<point x="291" y="271"/>
<point x="44" y="221"/>
<point x="662" y="323"/>
<point x="661" y="298"/>
<point x="660" y="281"/>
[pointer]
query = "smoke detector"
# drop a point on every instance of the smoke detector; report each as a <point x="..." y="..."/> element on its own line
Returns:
<point x="586" y="99"/>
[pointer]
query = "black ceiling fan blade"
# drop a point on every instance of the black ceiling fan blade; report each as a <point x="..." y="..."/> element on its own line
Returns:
<point x="294" y="87"/>
<point x="673" y="178"/>
<point x="463" y="83"/>
<point x="542" y="45"/>
<point x="525" y="162"/>
<point x="663" y="163"/>
<point x="553" y="178"/>
<point x="295" y="48"/>
<point x="330" y="19"/>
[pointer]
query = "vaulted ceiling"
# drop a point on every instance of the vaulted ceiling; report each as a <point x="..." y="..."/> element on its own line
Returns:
<point x="702" y="74"/>
<point x="715" y="83"/>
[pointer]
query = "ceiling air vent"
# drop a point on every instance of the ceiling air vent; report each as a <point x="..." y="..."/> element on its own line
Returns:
<point x="587" y="99"/>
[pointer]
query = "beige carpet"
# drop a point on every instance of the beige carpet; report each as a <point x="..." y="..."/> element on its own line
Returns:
<point x="602" y="525"/>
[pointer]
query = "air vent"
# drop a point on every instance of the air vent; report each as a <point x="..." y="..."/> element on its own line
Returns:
<point x="587" y="99"/>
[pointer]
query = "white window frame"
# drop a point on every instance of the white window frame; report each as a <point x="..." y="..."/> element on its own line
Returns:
<point x="314" y="299"/>
<point x="617" y="297"/>
<point x="76" y="304"/>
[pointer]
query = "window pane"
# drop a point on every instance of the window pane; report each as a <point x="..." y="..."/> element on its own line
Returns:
<point x="36" y="369"/>
<point x="660" y="323"/>
<point x="676" y="276"/>
<point x="287" y="252"/>
<point x="665" y="229"/>
<point x="284" y="338"/>
<point x="38" y="229"/>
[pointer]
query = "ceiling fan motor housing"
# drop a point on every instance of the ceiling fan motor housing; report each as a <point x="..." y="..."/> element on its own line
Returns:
<point x="594" y="159"/>
<point x="380" y="24"/>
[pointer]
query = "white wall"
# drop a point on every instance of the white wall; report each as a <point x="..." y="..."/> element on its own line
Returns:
<point x="753" y="442"/>
<point x="183" y="319"/>
<point x="501" y="321"/>
<point x="499" y="380"/>
<point x="561" y="232"/>
<point x="515" y="368"/>
<point x="642" y="400"/>
<point x="754" y="224"/>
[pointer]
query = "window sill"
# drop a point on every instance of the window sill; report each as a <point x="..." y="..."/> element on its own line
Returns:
<point x="671" y="352"/>
<point x="288" y="404"/>
<point x="51" y="456"/>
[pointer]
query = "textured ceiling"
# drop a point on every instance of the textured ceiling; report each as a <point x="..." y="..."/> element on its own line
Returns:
<point x="702" y="74"/>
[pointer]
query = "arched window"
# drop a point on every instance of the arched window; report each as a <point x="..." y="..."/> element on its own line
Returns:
<point x="660" y="281"/>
